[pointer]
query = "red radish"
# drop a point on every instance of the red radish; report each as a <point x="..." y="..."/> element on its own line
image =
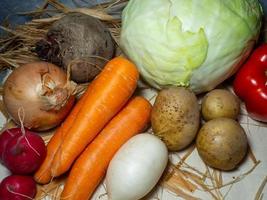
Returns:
<point x="24" y="153"/>
<point x="16" y="187"/>
<point x="5" y="137"/>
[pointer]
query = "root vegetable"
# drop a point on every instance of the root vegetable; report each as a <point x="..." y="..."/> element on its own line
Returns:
<point x="108" y="93"/>
<point x="136" y="167"/>
<point x="220" y="103"/>
<point x="90" y="167"/>
<point x="80" y="38"/>
<point x="16" y="187"/>
<point x="43" y="174"/>
<point x="41" y="90"/>
<point x="222" y="143"/>
<point x="5" y="138"/>
<point x="24" y="152"/>
<point x="175" y="117"/>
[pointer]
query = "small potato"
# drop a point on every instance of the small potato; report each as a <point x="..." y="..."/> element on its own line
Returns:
<point x="222" y="143"/>
<point x="220" y="103"/>
<point x="175" y="117"/>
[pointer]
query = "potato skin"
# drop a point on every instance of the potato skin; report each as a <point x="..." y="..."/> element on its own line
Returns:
<point x="222" y="143"/>
<point x="175" y="117"/>
<point x="220" y="103"/>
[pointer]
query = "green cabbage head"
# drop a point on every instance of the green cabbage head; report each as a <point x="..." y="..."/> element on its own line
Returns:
<point x="195" y="43"/>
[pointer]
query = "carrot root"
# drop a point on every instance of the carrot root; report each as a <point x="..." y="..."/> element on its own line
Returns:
<point x="109" y="92"/>
<point x="43" y="174"/>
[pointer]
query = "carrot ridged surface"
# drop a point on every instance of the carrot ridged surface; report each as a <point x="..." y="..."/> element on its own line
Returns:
<point x="108" y="93"/>
<point x="43" y="174"/>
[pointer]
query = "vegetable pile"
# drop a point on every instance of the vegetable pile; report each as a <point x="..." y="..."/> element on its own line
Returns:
<point x="114" y="134"/>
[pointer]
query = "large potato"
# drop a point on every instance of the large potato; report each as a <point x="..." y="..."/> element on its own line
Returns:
<point x="175" y="117"/>
<point x="222" y="143"/>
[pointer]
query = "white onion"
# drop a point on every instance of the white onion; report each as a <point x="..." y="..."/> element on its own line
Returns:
<point x="136" y="167"/>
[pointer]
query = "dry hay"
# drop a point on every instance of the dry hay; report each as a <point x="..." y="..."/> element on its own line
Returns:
<point x="18" y="46"/>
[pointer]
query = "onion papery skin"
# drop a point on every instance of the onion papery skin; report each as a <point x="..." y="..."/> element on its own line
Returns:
<point x="38" y="95"/>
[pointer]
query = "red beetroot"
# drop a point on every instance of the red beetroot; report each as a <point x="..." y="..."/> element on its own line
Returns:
<point x="16" y="187"/>
<point x="5" y="137"/>
<point x="24" y="153"/>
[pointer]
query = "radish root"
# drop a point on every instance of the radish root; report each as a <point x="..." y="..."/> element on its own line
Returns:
<point x="21" y="115"/>
<point x="16" y="193"/>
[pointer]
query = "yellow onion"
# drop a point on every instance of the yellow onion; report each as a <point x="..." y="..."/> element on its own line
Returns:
<point x="42" y="91"/>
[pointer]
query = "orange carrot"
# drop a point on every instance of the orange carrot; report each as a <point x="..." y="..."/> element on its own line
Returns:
<point x="90" y="167"/>
<point x="108" y="94"/>
<point x="43" y="174"/>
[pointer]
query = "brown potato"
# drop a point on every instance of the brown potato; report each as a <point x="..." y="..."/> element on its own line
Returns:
<point x="220" y="103"/>
<point x="222" y="143"/>
<point x="175" y="117"/>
